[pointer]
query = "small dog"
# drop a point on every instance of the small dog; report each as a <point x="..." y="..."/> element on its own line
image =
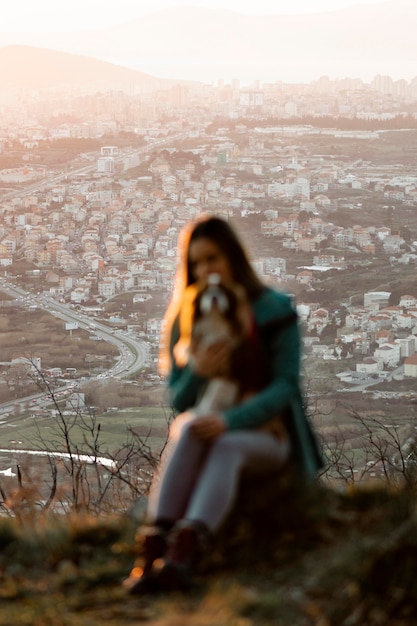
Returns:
<point x="213" y="312"/>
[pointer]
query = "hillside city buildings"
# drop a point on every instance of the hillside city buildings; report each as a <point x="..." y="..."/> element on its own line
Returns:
<point x="107" y="222"/>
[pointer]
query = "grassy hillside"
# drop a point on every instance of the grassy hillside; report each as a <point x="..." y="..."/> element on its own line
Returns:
<point x="42" y="433"/>
<point x="331" y="559"/>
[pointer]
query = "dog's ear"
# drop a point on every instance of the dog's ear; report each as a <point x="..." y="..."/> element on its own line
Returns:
<point x="186" y="318"/>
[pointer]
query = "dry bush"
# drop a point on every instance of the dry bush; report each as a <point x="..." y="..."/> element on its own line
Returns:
<point x="78" y="472"/>
<point x="74" y="477"/>
<point x="372" y="448"/>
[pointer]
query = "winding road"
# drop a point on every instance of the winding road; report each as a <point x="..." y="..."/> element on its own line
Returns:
<point x="133" y="353"/>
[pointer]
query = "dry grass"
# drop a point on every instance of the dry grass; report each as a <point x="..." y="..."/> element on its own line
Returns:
<point x="38" y="334"/>
<point x="329" y="560"/>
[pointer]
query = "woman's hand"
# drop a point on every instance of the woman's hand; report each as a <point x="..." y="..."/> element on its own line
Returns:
<point x="213" y="360"/>
<point x="208" y="427"/>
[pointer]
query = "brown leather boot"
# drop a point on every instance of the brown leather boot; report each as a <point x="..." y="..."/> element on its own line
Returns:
<point x="153" y="544"/>
<point x="187" y="544"/>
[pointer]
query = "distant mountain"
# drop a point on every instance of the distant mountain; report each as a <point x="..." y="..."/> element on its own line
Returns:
<point x="29" y="67"/>
<point x="194" y="43"/>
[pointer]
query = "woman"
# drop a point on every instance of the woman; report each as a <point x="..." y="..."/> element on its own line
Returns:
<point x="195" y="487"/>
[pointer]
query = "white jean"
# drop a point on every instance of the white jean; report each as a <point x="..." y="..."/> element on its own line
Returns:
<point x="198" y="481"/>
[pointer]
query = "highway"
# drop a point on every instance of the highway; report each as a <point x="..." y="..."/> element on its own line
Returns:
<point x="133" y="353"/>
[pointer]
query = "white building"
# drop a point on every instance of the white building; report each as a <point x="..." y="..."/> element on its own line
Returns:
<point x="80" y="294"/>
<point x="376" y="297"/>
<point x="407" y="346"/>
<point x="369" y="366"/>
<point x="153" y="327"/>
<point x="389" y="354"/>
<point x="136" y="227"/>
<point x="105" y="165"/>
<point x="410" y="366"/>
<point x="107" y="287"/>
<point x="408" y="301"/>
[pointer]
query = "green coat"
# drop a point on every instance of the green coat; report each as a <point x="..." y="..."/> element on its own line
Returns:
<point x="278" y="329"/>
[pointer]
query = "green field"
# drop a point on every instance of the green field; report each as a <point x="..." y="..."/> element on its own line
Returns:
<point x="40" y="433"/>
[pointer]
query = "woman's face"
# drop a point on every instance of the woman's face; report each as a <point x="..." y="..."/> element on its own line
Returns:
<point x="207" y="258"/>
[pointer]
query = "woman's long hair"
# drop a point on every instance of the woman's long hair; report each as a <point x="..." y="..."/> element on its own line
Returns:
<point x="223" y="235"/>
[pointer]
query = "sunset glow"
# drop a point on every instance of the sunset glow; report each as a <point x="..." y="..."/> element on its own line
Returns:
<point x="226" y="39"/>
<point x="47" y="15"/>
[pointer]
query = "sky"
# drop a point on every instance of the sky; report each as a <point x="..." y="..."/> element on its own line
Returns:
<point x="41" y="23"/>
<point x="62" y="16"/>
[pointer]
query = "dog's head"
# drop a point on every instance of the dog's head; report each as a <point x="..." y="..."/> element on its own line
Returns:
<point x="221" y="312"/>
<point x="211" y="311"/>
<point x="217" y="311"/>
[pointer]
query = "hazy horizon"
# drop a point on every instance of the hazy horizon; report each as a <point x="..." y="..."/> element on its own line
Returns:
<point x="45" y="16"/>
<point x="202" y="42"/>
